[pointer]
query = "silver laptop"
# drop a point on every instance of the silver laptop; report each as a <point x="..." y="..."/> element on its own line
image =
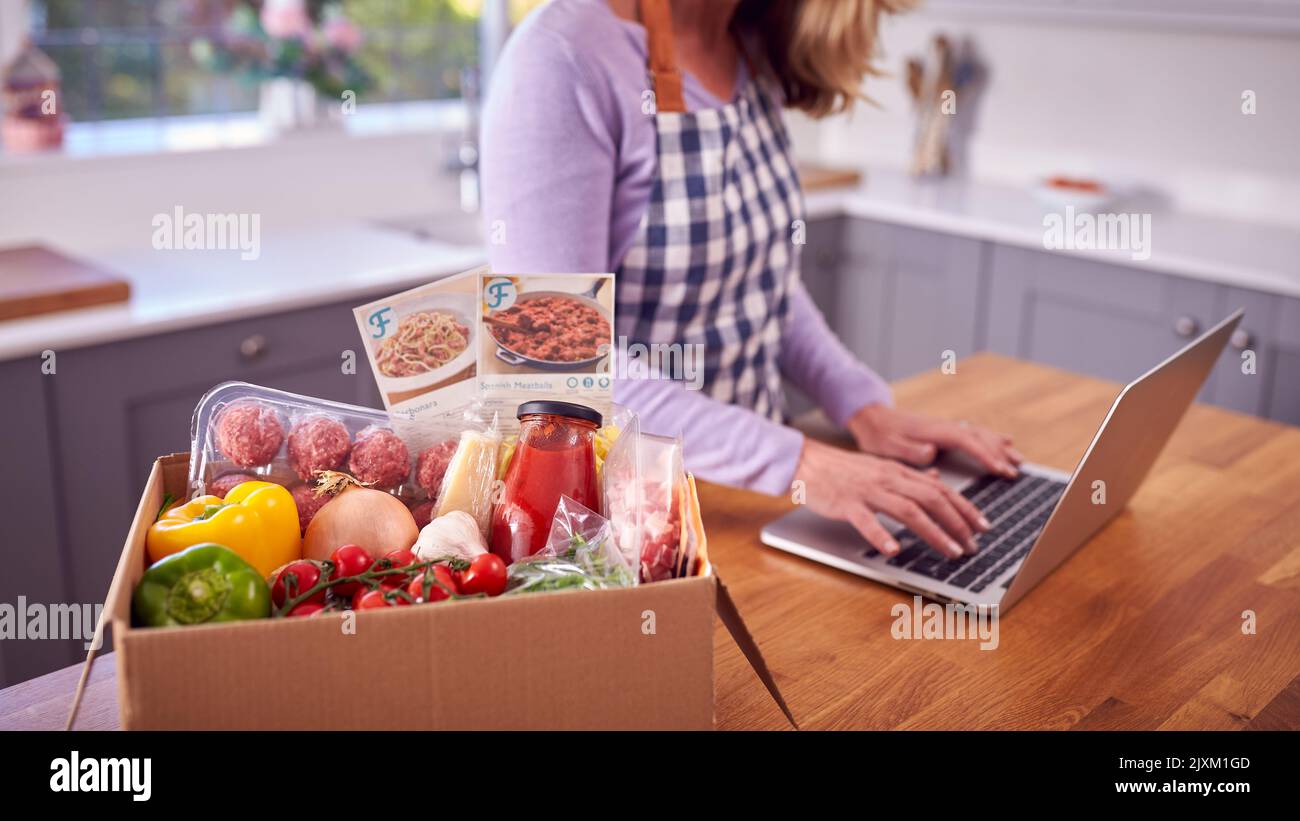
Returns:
<point x="1038" y="519"/>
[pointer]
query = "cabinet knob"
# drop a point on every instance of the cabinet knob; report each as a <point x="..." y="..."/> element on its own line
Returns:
<point x="1240" y="339"/>
<point x="1186" y="326"/>
<point x="253" y="347"/>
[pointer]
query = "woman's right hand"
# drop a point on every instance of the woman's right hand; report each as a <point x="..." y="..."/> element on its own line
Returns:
<point x="854" y="487"/>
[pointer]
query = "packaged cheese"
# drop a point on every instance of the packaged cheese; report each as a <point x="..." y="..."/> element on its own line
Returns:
<point x="471" y="476"/>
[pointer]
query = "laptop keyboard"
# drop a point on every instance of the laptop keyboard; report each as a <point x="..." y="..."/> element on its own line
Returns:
<point x="1017" y="508"/>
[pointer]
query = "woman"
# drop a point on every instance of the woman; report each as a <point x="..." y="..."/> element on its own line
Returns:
<point x="645" y="137"/>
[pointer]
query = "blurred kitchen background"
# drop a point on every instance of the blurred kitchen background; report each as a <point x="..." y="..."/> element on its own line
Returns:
<point x="925" y="226"/>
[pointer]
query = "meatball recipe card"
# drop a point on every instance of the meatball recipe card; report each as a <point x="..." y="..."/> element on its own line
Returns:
<point x="546" y="336"/>
<point x="492" y="341"/>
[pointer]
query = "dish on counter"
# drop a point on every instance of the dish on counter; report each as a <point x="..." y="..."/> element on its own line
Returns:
<point x="1080" y="193"/>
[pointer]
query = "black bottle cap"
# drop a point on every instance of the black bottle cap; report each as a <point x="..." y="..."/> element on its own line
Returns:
<point x="569" y="409"/>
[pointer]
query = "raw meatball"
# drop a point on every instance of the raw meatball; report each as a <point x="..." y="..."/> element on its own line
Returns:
<point x="308" y="504"/>
<point x="318" y="443"/>
<point x="379" y="458"/>
<point x="222" y="485"/>
<point x="249" y="434"/>
<point x="423" y="514"/>
<point x="432" y="466"/>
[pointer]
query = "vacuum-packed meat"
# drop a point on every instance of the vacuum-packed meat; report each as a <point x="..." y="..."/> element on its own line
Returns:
<point x="316" y="443"/>
<point x="379" y="458"/>
<point x="432" y="466"/>
<point x="222" y="485"/>
<point x="309" y="503"/>
<point x="249" y="434"/>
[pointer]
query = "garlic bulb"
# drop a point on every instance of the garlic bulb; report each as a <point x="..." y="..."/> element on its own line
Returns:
<point x="453" y="535"/>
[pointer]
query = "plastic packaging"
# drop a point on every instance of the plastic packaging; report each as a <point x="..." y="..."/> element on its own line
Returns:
<point x="580" y="554"/>
<point x="469" y="482"/>
<point x="645" y="489"/>
<point x="242" y="431"/>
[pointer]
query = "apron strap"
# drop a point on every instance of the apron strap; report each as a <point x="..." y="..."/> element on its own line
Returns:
<point x="657" y="18"/>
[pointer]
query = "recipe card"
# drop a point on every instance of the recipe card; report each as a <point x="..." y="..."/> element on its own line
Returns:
<point x="484" y="342"/>
<point x="545" y="336"/>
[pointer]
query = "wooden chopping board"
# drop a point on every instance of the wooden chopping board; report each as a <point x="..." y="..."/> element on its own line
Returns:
<point x="38" y="280"/>
<point x="820" y="177"/>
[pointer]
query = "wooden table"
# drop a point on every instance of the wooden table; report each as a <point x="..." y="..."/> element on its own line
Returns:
<point x="1141" y="628"/>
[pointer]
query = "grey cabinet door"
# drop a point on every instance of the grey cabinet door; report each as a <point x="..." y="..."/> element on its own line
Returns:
<point x="1092" y="317"/>
<point x="858" y="312"/>
<point x="117" y="407"/>
<point x="819" y="260"/>
<point x="1244" y="374"/>
<point x="35" y="566"/>
<point x="907" y="296"/>
<point x="1279" y="363"/>
<point x="932" y="302"/>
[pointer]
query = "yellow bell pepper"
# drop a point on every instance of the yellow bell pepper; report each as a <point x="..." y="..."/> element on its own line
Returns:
<point x="257" y="520"/>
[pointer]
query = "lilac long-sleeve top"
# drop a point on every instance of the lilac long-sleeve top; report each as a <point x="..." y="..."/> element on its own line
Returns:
<point x="568" y="161"/>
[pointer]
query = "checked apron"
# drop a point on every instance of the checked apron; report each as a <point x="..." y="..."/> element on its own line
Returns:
<point x="714" y="261"/>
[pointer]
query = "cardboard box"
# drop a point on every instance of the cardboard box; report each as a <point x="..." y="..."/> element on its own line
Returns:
<point x="640" y="658"/>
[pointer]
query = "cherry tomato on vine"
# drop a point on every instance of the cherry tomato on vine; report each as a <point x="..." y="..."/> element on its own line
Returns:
<point x="307" y="608"/>
<point x="294" y="579"/>
<point x="376" y="599"/>
<point x="349" y="560"/>
<point x="486" y="574"/>
<point x="441" y="586"/>
<point x="395" y="559"/>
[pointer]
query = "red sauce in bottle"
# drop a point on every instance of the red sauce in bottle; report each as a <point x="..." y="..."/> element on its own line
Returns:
<point x="555" y="457"/>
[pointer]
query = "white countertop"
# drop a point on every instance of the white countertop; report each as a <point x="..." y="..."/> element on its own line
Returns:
<point x="172" y="290"/>
<point x="1245" y="254"/>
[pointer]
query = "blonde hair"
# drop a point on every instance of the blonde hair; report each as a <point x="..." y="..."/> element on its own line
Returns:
<point x="819" y="50"/>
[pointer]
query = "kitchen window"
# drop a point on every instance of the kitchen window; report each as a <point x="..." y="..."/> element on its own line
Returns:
<point x="142" y="75"/>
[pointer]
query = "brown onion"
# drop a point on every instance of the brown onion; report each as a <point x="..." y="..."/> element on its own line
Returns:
<point x="373" y="519"/>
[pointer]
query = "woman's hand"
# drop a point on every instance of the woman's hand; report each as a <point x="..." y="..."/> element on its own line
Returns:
<point x="884" y="431"/>
<point x="854" y="487"/>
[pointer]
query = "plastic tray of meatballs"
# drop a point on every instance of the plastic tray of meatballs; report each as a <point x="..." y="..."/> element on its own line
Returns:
<point x="243" y="432"/>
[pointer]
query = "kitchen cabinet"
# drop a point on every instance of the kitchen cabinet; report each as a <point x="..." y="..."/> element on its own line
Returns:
<point x="1271" y="332"/>
<point x="1282" y="361"/>
<point x="929" y="286"/>
<point x="35" y="565"/>
<point x="1091" y="317"/>
<point x="1233" y="386"/>
<point x="1114" y="321"/>
<point x="119" y="406"/>
<point x="899" y="297"/>
<point x="819" y="270"/>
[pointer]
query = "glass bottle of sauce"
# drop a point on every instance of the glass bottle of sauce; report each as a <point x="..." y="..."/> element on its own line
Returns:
<point x="555" y="457"/>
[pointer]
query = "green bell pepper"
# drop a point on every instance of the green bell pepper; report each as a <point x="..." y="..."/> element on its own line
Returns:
<point x="204" y="584"/>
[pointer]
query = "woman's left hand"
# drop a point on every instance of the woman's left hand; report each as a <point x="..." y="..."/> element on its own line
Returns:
<point x="884" y="431"/>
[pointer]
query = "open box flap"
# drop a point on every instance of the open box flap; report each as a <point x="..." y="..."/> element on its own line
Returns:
<point x="168" y="472"/>
<point x="730" y="616"/>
